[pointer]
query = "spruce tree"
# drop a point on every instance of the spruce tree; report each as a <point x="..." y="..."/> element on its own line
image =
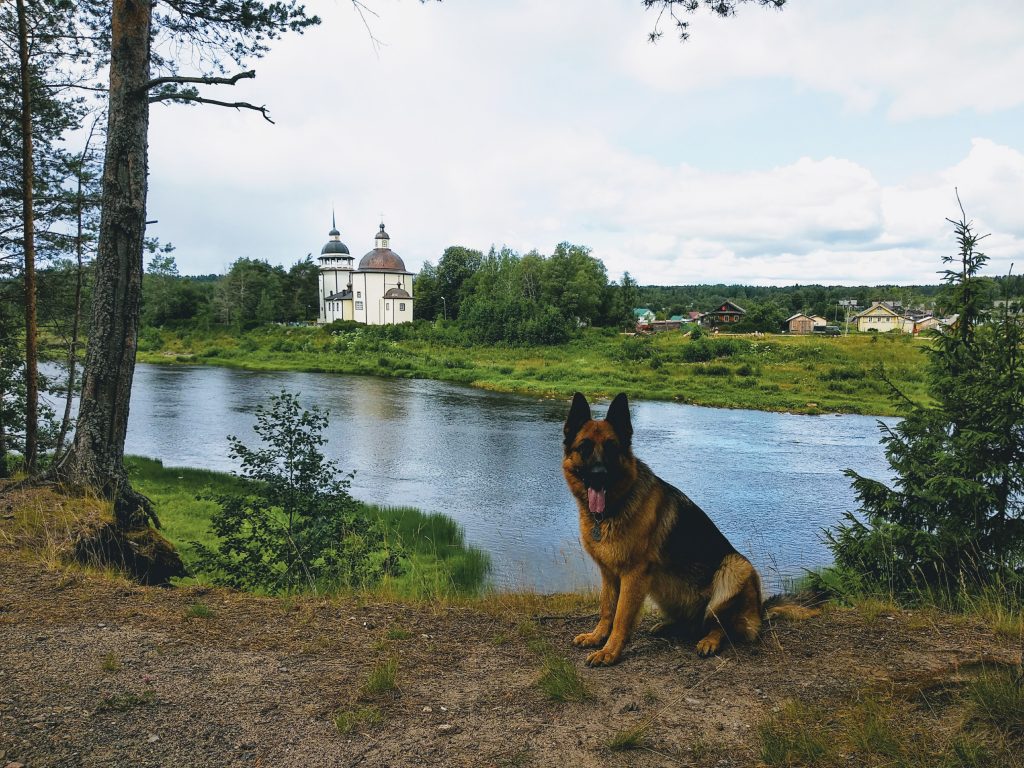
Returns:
<point x="955" y="511"/>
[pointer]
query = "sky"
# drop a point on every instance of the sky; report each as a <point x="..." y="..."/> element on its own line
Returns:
<point x="824" y="143"/>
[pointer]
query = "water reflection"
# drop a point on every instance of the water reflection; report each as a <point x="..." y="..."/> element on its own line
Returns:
<point x="493" y="461"/>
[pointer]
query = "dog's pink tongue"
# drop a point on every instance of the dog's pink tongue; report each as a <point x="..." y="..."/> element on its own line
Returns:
<point x="595" y="499"/>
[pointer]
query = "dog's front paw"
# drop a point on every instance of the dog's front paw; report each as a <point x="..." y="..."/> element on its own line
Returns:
<point x="602" y="658"/>
<point x="708" y="646"/>
<point x="589" y="640"/>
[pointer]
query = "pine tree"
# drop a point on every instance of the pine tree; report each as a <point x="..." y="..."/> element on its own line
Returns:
<point x="956" y="509"/>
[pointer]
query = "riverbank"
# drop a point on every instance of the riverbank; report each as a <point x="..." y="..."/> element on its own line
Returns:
<point x="798" y="374"/>
<point x="95" y="670"/>
<point x="438" y="561"/>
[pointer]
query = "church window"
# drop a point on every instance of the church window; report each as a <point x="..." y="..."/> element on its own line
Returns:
<point x="401" y="307"/>
<point x="359" y="306"/>
<point x="387" y="305"/>
<point x="359" y="294"/>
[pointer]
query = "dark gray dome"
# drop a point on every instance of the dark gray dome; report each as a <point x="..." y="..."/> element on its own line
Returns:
<point x="397" y="293"/>
<point x="334" y="247"/>
<point x="334" y="232"/>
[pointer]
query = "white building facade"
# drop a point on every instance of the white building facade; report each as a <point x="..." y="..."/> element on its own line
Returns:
<point x="376" y="292"/>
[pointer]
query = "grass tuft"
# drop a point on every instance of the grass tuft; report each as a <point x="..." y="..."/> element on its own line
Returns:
<point x="997" y="700"/>
<point x="349" y="720"/>
<point x="381" y="679"/>
<point x="199" y="611"/>
<point x="561" y="681"/>
<point x="631" y="738"/>
<point x="791" y="738"/>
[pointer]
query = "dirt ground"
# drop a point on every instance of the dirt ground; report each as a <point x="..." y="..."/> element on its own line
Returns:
<point x="98" y="671"/>
<point x="95" y="671"/>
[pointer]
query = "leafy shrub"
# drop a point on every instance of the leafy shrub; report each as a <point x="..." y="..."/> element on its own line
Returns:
<point x="297" y="527"/>
<point x="841" y="374"/>
<point x="715" y="369"/>
<point x="150" y="340"/>
<point x="705" y="349"/>
<point x="635" y="349"/>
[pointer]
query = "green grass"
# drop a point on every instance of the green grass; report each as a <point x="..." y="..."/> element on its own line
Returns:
<point x="980" y="726"/>
<point x="350" y="720"/>
<point x="440" y="564"/>
<point x="383" y="678"/>
<point x="199" y="611"/>
<point x="559" y="679"/>
<point x="997" y="700"/>
<point x="999" y="605"/>
<point x="806" y="374"/>
<point x="630" y="738"/>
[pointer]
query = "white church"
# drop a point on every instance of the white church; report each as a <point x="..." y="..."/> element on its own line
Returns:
<point x="377" y="292"/>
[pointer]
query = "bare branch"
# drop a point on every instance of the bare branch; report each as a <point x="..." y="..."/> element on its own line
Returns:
<point x="362" y="10"/>
<point x="201" y="80"/>
<point x="181" y="97"/>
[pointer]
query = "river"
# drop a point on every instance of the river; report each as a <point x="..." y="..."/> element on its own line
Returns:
<point x="492" y="461"/>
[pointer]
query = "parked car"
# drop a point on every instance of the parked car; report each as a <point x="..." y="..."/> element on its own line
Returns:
<point x="827" y="330"/>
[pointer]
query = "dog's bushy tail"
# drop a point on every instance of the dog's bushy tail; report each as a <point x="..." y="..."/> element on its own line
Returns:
<point x="802" y="605"/>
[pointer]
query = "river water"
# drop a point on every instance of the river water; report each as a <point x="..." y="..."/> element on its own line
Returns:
<point x="493" y="461"/>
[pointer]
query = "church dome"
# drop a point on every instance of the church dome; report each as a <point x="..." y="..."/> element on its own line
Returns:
<point x="397" y="293"/>
<point x="382" y="258"/>
<point x="334" y="246"/>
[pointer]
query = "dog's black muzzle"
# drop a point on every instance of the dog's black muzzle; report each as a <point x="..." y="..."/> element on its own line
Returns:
<point x="596" y="477"/>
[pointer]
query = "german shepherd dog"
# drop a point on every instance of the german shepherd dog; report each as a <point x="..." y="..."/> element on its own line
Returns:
<point x="649" y="538"/>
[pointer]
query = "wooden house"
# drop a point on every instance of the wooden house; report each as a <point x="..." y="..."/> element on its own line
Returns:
<point x="727" y="313"/>
<point x="800" y="324"/>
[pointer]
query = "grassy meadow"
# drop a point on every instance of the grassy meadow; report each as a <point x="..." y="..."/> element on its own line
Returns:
<point x="801" y="374"/>
<point x="440" y="564"/>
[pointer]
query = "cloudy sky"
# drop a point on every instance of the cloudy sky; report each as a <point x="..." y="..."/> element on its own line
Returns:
<point x="820" y="144"/>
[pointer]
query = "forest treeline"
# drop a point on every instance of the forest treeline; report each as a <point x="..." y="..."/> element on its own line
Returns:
<point x="496" y="297"/>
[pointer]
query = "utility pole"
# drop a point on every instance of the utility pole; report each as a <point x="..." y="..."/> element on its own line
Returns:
<point x="848" y="304"/>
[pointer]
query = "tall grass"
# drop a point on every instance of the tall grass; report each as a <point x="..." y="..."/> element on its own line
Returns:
<point x="440" y="564"/>
<point x="999" y="604"/>
<point x="875" y="729"/>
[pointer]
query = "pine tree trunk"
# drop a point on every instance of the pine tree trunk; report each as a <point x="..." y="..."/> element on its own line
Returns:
<point x="76" y="320"/>
<point x="96" y="459"/>
<point x="31" y="350"/>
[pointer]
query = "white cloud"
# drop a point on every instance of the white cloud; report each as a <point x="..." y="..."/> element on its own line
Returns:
<point x="501" y="123"/>
<point x="919" y="58"/>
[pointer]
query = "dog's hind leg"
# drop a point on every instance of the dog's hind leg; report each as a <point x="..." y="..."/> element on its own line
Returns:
<point x="734" y="606"/>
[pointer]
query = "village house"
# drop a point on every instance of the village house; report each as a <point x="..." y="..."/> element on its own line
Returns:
<point x="643" y="316"/>
<point x="727" y="313"/>
<point x="800" y="324"/>
<point x="880" y="317"/>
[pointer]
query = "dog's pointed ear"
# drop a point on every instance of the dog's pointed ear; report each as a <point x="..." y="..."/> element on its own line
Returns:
<point x="579" y="414"/>
<point x="618" y="417"/>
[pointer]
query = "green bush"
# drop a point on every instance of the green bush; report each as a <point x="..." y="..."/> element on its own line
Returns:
<point x="296" y="527"/>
